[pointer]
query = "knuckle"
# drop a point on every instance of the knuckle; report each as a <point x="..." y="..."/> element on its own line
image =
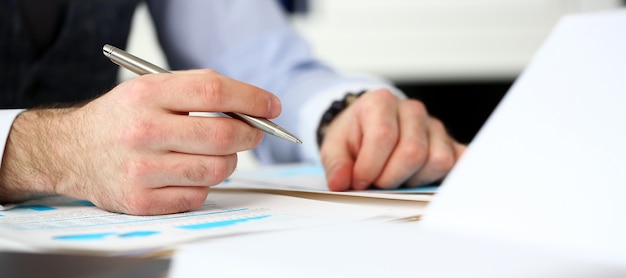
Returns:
<point x="222" y="135"/>
<point x="437" y="124"/>
<point x="136" y="169"/>
<point x="141" y="90"/>
<point x="415" y="153"/>
<point x="139" y="133"/>
<point x="383" y="94"/>
<point x="210" y="174"/>
<point x="441" y="161"/>
<point x="198" y="173"/>
<point x="213" y="90"/>
<point x="416" y="105"/>
<point x="375" y="99"/>
<point x="226" y="137"/>
<point x="385" y="135"/>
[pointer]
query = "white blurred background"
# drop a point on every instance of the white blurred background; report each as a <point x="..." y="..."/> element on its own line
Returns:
<point x="408" y="40"/>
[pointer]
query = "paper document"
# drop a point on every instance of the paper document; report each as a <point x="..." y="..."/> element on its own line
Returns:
<point x="375" y="250"/>
<point x="548" y="165"/>
<point x="60" y="223"/>
<point x="311" y="178"/>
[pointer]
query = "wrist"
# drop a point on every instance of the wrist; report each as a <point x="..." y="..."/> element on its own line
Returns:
<point x="30" y="166"/>
<point x="332" y="112"/>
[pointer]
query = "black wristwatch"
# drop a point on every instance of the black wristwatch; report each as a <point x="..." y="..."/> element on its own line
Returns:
<point x="331" y="113"/>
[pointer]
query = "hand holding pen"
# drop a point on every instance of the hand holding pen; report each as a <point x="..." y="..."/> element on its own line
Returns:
<point x="174" y="158"/>
<point x="134" y="149"/>
<point x="141" y="67"/>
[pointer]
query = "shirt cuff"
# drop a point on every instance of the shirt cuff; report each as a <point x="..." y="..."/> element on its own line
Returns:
<point x="6" y="206"/>
<point x="7" y="116"/>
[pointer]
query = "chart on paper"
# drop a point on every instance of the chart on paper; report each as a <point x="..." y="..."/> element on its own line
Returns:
<point x="60" y="223"/>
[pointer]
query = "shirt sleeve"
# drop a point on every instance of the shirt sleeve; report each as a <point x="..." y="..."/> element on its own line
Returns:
<point x="7" y="116"/>
<point x="253" y="41"/>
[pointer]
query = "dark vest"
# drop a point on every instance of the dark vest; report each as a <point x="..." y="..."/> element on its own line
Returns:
<point x="73" y="69"/>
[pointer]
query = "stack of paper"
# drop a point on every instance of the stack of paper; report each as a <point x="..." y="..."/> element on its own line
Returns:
<point x="308" y="181"/>
<point x="264" y="199"/>
<point x="69" y="225"/>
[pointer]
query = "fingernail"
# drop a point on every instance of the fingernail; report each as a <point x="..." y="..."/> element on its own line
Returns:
<point x="274" y="106"/>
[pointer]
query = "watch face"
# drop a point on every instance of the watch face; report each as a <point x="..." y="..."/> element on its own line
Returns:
<point x="27" y="265"/>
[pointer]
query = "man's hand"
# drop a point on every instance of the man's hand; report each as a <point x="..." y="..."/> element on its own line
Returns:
<point x="386" y="142"/>
<point x="135" y="149"/>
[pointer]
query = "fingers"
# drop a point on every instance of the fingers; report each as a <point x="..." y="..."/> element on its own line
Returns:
<point x="176" y="169"/>
<point x="163" y="184"/>
<point x="388" y="142"/>
<point x="192" y="135"/>
<point x="339" y="175"/>
<point x="142" y="154"/>
<point x="412" y="150"/>
<point x="163" y="200"/>
<point x="201" y="91"/>
<point x="425" y="152"/>
<point x="441" y="156"/>
<point x="337" y="157"/>
<point x="377" y="117"/>
<point x="358" y="141"/>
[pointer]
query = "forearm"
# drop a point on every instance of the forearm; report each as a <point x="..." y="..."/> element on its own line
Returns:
<point x="29" y="168"/>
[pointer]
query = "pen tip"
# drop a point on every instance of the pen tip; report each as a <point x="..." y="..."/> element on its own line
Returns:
<point x="107" y="49"/>
<point x="289" y="137"/>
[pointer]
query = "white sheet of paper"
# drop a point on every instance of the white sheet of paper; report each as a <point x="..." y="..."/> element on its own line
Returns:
<point x="549" y="166"/>
<point x="60" y="223"/>
<point x="392" y="209"/>
<point x="367" y="250"/>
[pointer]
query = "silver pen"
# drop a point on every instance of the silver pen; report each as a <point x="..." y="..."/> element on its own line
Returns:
<point x="141" y="67"/>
